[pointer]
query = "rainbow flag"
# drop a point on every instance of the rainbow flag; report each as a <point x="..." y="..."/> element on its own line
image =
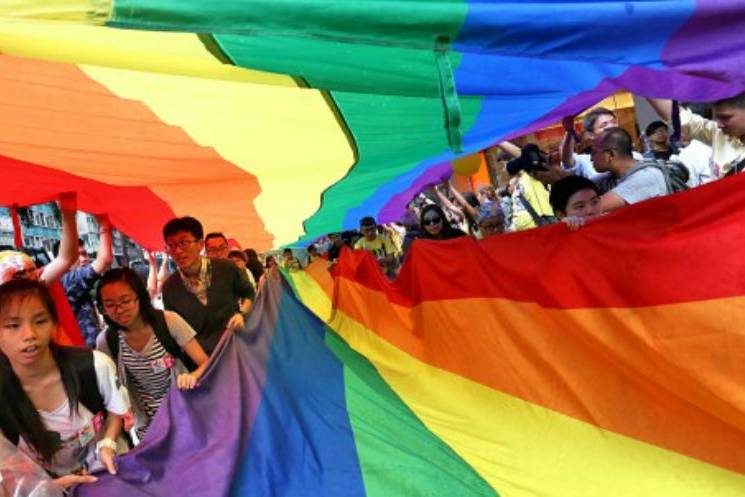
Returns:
<point x="288" y="408"/>
<point x="606" y="361"/>
<point x="231" y="110"/>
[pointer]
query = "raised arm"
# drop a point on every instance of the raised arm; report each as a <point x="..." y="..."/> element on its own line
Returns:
<point x="446" y="203"/>
<point x="510" y="149"/>
<point x="664" y="108"/>
<point x="163" y="273"/>
<point x="467" y="208"/>
<point x="152" y="274"/>
<point x="566" y="149"/>
<point x="68" y="250"/>
<point x="104" y="257"/>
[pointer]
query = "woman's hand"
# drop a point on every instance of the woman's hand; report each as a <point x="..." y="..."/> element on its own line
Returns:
<point x="108" y="458"/>
<point x="236" y="322"/>
<point x="68" y="481"/>
<point x="186" y="381"/>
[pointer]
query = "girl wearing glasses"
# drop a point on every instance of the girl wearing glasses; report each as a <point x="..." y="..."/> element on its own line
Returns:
<point x="153" y="349"/>
<point x="61" y="406"/>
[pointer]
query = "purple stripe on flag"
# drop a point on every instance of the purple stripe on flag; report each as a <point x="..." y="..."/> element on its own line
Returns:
<point x="642" y="81"/>
<point x="711" y="43"/>
<point x="195" y="442"/>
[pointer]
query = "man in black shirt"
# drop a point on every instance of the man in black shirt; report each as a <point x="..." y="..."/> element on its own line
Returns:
<point x="658" y="138"/>
<point x="205" y="292"/>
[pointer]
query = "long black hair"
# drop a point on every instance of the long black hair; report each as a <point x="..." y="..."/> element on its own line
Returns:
<point x="133" y="280"/>
<point x="447" y="231"/>
<point x="19" y="416"/>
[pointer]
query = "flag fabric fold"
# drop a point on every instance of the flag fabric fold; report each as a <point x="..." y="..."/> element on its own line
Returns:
<point x="548" y="362"/>
<point x="350" y="109"/>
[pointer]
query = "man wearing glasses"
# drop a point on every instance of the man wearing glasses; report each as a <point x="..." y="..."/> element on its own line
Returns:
<point x="205" y="292"/>
<point x="216" y="246"/>
<point x="659" y="141"/>
<point x="612" y="152"/>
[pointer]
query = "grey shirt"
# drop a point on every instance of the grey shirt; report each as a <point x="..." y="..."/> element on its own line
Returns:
<point x="641" y="185"/>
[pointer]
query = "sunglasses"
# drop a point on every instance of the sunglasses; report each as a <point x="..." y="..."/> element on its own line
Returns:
<point x="428" y="221"/>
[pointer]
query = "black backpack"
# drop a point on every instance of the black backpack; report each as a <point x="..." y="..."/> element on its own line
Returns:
<point x="160" y="328"/>
<point x="675" y="173"/>
<point x="84" y="374"/>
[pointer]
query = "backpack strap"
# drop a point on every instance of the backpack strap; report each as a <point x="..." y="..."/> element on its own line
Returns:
<point x="530" y="209"/>
<point x="160" y="327"/>
<point x="655" y="164"/>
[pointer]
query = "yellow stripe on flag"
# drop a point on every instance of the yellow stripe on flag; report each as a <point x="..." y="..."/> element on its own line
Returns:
<point x="150" y="51"/>
<point x="287" y="137"/>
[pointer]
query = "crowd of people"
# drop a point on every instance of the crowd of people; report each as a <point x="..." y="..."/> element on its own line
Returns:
<point x="589" y="175"/>
<point x="72" y="410"/>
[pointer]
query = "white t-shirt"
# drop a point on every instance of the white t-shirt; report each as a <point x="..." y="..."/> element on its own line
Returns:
<point x="79" y="432"/>
<point x="697" y="159"/>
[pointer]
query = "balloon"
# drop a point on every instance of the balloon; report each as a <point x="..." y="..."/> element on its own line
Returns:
<point x="467" y="165"/>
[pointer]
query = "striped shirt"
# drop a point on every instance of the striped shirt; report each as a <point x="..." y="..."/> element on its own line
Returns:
<point x="150" y="372"/>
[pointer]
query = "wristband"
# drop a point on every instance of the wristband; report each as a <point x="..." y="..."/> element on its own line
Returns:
<point x="105" y="443"/>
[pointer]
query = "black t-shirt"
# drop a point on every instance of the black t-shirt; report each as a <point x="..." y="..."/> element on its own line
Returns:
<point x="662" y="155"/>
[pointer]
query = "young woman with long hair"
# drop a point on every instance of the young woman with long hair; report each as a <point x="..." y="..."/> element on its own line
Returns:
<point x="153" y="349"/>
<point x="434" y="224"/>
<point x="61" y="405"/>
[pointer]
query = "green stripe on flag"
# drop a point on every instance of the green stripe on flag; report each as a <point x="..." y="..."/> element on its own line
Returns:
<point x="397" y="453"/>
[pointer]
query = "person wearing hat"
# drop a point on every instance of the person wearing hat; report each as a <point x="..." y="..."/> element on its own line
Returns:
<point x="380" y="245"/>
<point x="490" y="219"/>
<point x="530" y="198"/>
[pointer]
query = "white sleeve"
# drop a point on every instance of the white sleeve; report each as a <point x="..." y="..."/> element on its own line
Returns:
<point x="115" y="397"/>
<point x="179" y="328"/>
<point x="583" y="166"/>
<point x="696" y="127"/>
